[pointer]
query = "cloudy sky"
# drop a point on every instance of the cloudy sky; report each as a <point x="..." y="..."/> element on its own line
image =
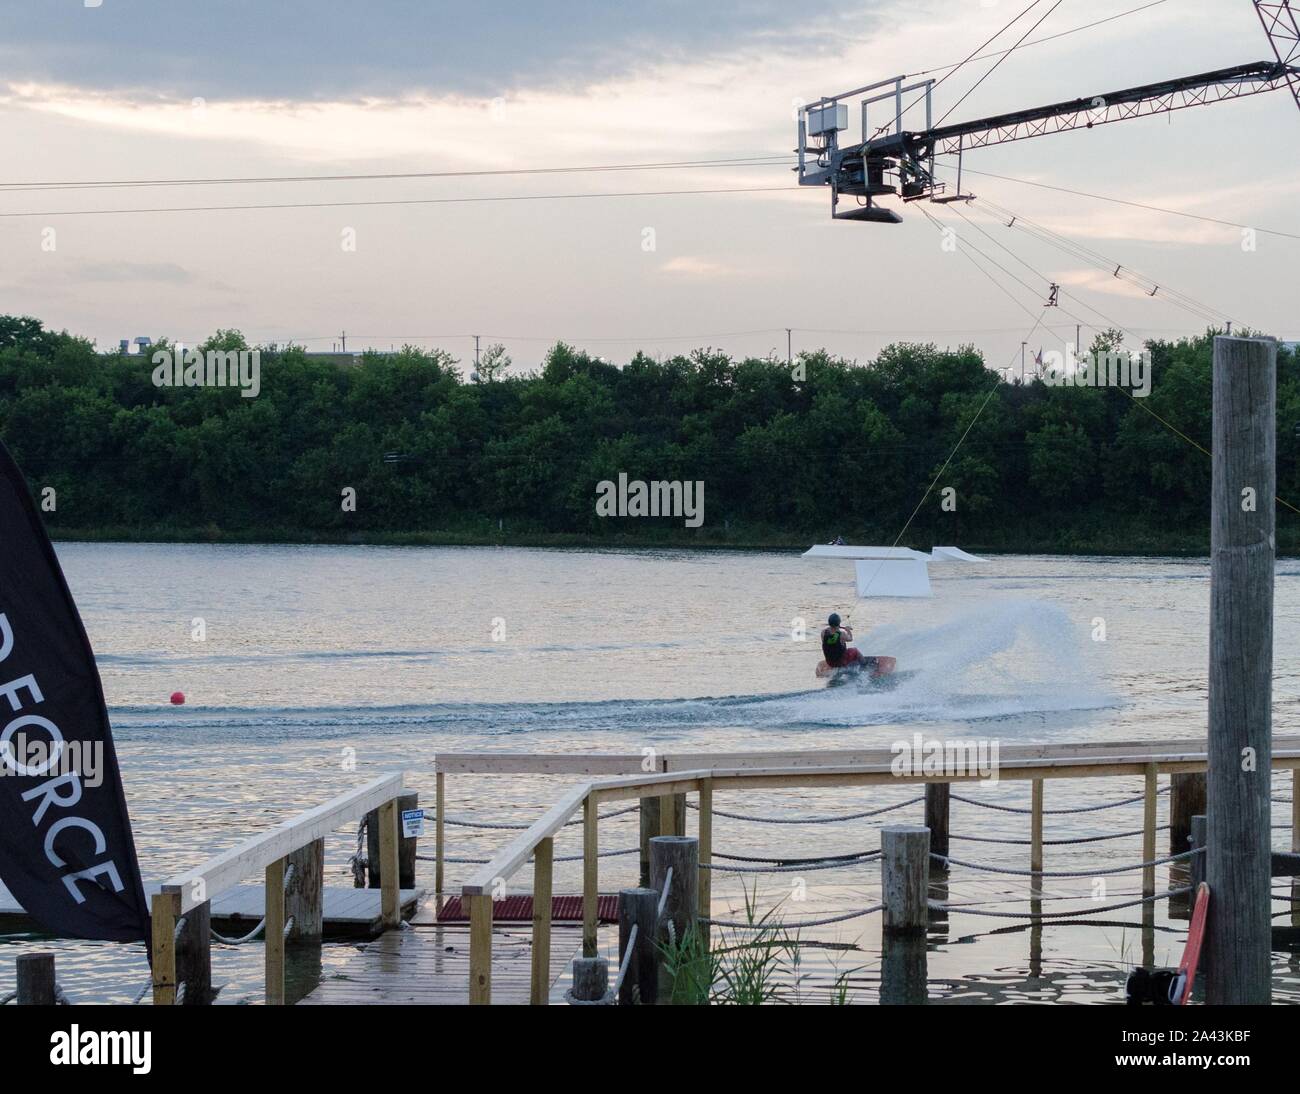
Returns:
<point x="127" y="90"/>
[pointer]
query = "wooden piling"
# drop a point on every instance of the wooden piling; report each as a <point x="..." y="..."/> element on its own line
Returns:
<point x="936" y="816"/>
<point x="590" y="979"/>
<point x="194" y="956"/>
<point x="1186" y="800"/>
<point x="304" y="894"/>
<point x="905" y="876"/>
<point x="274" y="956"/>
<point x="36" y="986"/>
<point x="638" y="908"/>
<point x="681" y="854"/>
<point x="1238" y="857"/>
<point x="165" y="909"/>
<point x="539" y="992"/>
<point x="407" y="846"/>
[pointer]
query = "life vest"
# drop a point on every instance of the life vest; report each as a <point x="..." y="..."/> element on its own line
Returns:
<point x="833" y="645"/>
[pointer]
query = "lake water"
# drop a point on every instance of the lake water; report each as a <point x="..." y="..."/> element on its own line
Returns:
<point x="320" y="667"/>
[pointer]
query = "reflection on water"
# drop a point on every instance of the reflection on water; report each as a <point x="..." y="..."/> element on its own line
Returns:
<point x="324" y="666"/>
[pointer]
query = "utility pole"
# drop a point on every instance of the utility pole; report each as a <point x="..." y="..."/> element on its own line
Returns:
<point x="344" y="338"/>
<point x="789" y="347"/>
<point x="1240" y="746"/>
<point x="476" y="338"/>
<point x="1022" y="361"/>
<point x="1078" y="340"/>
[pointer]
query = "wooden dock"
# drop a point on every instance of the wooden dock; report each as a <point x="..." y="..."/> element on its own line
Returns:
<point x="348" y="913"/>
<point x="429" y="965"/>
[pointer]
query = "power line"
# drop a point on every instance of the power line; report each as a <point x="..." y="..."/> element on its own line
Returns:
<point x="399" y="201"/>
<point x="763" y="160"/>
<point x="1134" y="204"/>
<point x="994" y="67"/>
<point x="1047" y="38"/>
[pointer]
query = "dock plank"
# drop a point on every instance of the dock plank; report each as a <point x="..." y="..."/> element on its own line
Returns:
<point x="429" y="965"/>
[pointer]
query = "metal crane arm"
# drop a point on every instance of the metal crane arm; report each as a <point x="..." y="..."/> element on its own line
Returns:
<point x="1084" y="113"/>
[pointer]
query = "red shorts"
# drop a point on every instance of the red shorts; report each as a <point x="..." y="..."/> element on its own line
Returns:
<point x="852" y="655"/>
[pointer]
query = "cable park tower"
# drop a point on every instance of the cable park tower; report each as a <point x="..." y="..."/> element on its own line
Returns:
<point x="893" y="161"/>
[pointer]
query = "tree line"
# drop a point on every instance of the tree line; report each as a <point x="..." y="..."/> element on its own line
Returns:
<point x="786" y="456"/>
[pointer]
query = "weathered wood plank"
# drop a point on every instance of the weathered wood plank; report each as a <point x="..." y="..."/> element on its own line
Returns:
<point x="430" y="966"/>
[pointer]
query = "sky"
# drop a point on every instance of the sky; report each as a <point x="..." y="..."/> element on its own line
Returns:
<point x="130" y="90"/>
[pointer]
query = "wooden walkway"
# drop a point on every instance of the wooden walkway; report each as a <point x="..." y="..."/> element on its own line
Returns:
<point x="349" y="913"/>
<point x="429" y="965"/>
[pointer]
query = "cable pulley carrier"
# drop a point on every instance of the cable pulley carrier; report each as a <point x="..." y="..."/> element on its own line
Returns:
<point x="893" y="161"/>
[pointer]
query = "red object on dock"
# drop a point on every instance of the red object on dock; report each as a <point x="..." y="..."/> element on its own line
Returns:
<point x="1182" y="987"/>
<point x="519" y="909"/>
<point x="178" y="698"/>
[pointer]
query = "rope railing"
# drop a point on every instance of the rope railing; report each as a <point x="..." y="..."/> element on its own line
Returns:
<point x="558" y="858"/>
<point x="1055" y="812"/>
<point x="795" y="868"/>
<point x="797" y="925"/>
<point x="833" y="819"/>
<point x="1065" y="873"/>
<point x="1061" y="842"/>
<point x="937" y="906"/>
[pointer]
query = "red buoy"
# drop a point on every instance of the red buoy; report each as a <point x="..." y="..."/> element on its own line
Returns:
<point x="178" y="697"/>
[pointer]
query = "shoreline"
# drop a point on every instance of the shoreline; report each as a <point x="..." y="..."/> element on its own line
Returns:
<point x="740" y="540"/>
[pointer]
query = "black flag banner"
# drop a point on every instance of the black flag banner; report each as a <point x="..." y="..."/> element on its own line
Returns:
<point x="66" y="851"/>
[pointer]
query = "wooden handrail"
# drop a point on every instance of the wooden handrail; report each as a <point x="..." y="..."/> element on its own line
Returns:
<point x="201" y="883"/>
<point x="516" y="853"/>
<point x="269" y="853"/>
<point x="1142" y="758"/>
<point x="562" y="763"/>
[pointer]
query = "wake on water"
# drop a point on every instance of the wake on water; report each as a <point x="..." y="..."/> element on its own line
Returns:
<point x="1003" y="660"/>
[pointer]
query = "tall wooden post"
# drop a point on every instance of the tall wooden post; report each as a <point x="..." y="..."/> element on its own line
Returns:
<point x="706" y="852"/>
<point x="936" y="816"/>
<point x="274" y="933"/>
<point x="439" y="837"/>
<point x="1186" y="800"/>
<point x="194" y="957"/>
<point x="390" y="897"/>
<point x="1238" y="857"/>
<point x="590" y="872"/>
<point x="543" y="877"/>
<point x="480" y="949"/>
<point x="165" y="909"/>
<point x="304" y="903"/>
<point x="658" y="821"/>
<point x="1036" y="834"/>
<point x="1149" y="794"/>
<point x="1196" y="842"/>
<point x="406" y="848"/>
